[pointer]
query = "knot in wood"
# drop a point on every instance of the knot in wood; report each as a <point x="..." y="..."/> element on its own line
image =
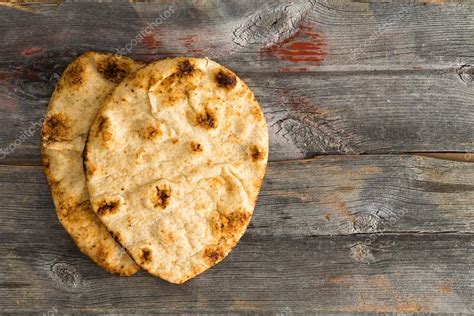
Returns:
<point x="466" y="73"/>
<point x="66" y="275"/>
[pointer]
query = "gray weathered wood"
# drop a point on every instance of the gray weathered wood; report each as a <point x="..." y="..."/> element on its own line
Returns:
<point x="331" y="195"/>
<point x="409" y="90"/>
<point x="366" y="194"/>
<point x="41" y="271"/>
<point x="310" y="114"/>
<point x="383" y="35"/>
<point x="404" y="242"/>
<point x="336" y="234"/>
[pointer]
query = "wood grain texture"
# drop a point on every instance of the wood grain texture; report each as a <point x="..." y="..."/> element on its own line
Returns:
<point x="331" y="195"/>
<point x="333" y="234"/>
<point x="310" y="114"/>
<point x="333" y="77"/>
<point x="336" y="234"/>
<point x="42" y="271"/>
<point x="352" y="34"/>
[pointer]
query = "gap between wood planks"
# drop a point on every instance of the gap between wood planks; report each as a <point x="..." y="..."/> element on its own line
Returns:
<point x="388" y="233"/>
<point x="453" y="156"/>
<point x="461" y="70"/>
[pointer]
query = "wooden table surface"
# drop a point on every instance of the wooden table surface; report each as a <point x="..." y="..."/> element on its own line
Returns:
<point x="368" y="202"/>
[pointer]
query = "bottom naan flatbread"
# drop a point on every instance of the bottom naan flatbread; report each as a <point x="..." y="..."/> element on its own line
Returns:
<point x="86" y="82"/>
<point x="175" y="160"/>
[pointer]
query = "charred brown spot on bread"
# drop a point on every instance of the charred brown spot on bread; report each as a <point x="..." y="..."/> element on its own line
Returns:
<point x="113" y="69"/>
<point x="154" y="79"/>
<point x="103" y="254"/>
<point x="161" y="198"/>
<point x="184" y="68"/>
<point x="108" y="207"/>
<point x="117" y="236"/>
<point x="65" y="209"/>
<point x="75" y="73"/>
<point x="196" y="147"/>
<point x="214" y="254"/>
<point x="91" y="169"/>
<point x="102" y="123"/>
<point x="256" y="153"/>
<point x="171" y="237"/>
<point x="207" y="119"/>
<point x="152" y="132"/>
<point x="123" y="272"/>
<point x="146" y="255"/>
<point x="46" y="161"/>
<point x="103" y="127"/>
<point x="166" y="236"/>
<point x="87" y="166"/>
<point x="178" y="86"/>
<point x="55" y="127"/>
<point x="229" y="225"/>
<point x="226" y="79"/>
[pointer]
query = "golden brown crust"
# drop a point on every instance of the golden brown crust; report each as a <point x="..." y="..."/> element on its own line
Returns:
<point x="213" y="254"/>
<point x="152" y="132"/>
<point x="74" y="75"/>
<point x="162" y="196"/>
<point x="196" y="147"/>
<point x="207" y="119"/>
<point x="184" y="68"/>
<point x="114" y="69"/>
<point x="146" y="256"/>
<point x="189" y="194"/>
<point x="227" y="225"/>
<point x="104" y="129"/>
<point x="55" y="127"/>
<point x="108" y="207"/>
<point x="77" y="96"/>
<point x="226" y="79"/>
<point x="257" y="153"/>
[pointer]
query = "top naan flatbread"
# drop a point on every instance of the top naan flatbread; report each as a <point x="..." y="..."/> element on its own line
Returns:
<point x="82" y="88"/>
<point x="175" y="160"/>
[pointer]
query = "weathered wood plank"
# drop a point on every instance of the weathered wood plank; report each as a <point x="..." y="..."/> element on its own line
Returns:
<point x="380" y="101"/>
<point x="281" y="265"/>
<point x="41" y="271"/>
<point x="334" y="234"/>
<point x="366" y="194"/>
<point x="451" y="156"/>
<point x="366" y="113"/>
<point x="325" y="196"/>
<point x="343" y="35"/>
<point x="307" y="114"/>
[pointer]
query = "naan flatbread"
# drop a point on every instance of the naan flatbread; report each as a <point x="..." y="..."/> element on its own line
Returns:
<point x="175" y="159"/>
<point x="86" y="82"/>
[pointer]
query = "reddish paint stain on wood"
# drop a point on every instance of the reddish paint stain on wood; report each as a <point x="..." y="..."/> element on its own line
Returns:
<point x="306" y="45"/>
<point x="189" y="43"/>
<point x="188" y="40"/>
<point x="31" y="51"/>
<point x="5" y="76"/>
<point x="151" y="42"/>
<point x="153" y="47"/>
